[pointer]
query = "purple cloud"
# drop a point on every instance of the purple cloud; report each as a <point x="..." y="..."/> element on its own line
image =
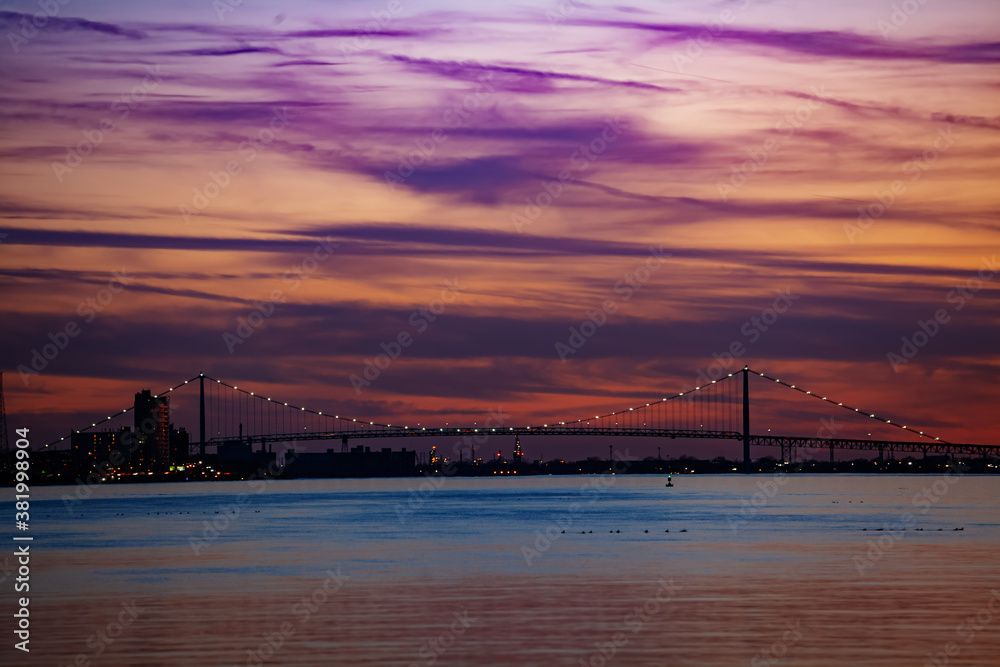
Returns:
<point x="11" y="21"/>
<point x="465" y="71"/>
<point x="818" y="43"/>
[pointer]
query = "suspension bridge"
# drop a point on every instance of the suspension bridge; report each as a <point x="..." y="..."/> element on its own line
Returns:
<point x="718" y="410"/>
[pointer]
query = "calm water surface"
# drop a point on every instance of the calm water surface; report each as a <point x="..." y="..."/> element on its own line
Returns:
<point x="753" y="571"/>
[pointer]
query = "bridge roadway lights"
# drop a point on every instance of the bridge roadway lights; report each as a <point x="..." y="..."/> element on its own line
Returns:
<point x="760" y="440"/>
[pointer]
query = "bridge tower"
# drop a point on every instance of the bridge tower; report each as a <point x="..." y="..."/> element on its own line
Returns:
<point x="201" y="417"/>
<point x="746" y="419"/>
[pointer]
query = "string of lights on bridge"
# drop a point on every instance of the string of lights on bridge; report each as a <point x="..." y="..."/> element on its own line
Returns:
<point x="578" y="421"/>
<point x="766" y="377"/>
<point x="639" y="407"/>
<point x="870" y="415"/>
<point x="320" y="413"/>
<point x="196" y="378"/>
<point x="235" y="388"/>
<point x="119" y="414"/>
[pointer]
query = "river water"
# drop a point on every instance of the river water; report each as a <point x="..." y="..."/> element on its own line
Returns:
<point x="755" y="570"/>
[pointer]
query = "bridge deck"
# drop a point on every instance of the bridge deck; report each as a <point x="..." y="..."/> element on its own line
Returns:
<point x="768" y="440"/>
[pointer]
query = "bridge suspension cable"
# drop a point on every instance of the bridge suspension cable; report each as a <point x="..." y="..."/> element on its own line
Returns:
<point x="711" y="409"/>
<point x="117" y="414"/>
<point x="870" y="415"/>
<point x="259" y="414"/>
<point x="713" y="406"/>
<point x="263" y="415"/>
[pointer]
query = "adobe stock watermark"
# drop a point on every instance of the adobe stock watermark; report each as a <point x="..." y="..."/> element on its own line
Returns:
<point x="695" y="46"/>
<point x="632" y="624"/>
<point x="769" y="489"/>
<point x="99" y="642"/>
<point x="263" y="310"/>
<point x="435" y="647"/>
<point x="752" y="329"/>
<point x="891" y="534"/>
<point x="248" y="150"/>
<point x="829" y="428"/>
<point x="85" y="487"/>
<point x="966" y="631"/>
<point x="626" y="288"/>
<point x="915" y="168"/>
<point x="419" y="496"/>
<point x="302" y="611"/>
<point x="758" y="157"/>
<point x="931" y="327"/>
<point x="455" y="117"/>
<point x="223" y="7"/>
<point x="900" y="16"/>
<point x="121" y="109"/>
<point x="419" y="321"/>
<point x="579" y="161"/>
<point x="31" y="25"/>
<point x="775" y="653"/>
<point x="929" y="496"/>
<point x="592" y="489"/>
<point x="563" y="11"/>
<point x="259" y="481"/>
<point x="60" y="339"/>
<point x="380" y="21"/>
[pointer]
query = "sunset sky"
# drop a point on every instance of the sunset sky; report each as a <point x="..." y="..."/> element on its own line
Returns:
<point x="341" y="165"/>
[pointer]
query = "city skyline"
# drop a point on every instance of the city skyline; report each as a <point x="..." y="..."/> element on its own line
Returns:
<point x="232" y="422"/>
<point x="550" y="210"/>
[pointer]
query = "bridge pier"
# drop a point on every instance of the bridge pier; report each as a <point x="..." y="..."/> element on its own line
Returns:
<point x="343" y="444"/>
<point x="831" y="453"/>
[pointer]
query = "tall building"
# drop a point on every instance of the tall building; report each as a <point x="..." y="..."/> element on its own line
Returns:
<point x="518" y="454"/>
<point x="100" y="447"/>
<point x="152" y="430"/>
<point x="179" y="442"/>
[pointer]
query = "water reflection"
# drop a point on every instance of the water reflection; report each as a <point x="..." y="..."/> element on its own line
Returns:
<point x="324" y="572"/>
